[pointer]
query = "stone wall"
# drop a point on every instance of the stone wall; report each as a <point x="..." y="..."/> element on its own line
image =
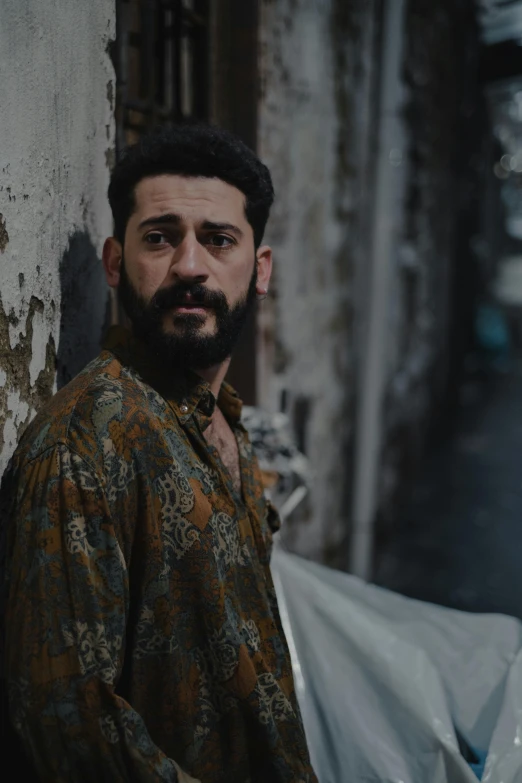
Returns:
<point x="56" y="127"/>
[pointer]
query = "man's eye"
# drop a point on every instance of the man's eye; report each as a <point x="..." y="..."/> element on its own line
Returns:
<point x="156" y="238"/>
<point x="220" y="240"/>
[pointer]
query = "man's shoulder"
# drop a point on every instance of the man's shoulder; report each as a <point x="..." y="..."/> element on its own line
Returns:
<point x="104" y="398"/>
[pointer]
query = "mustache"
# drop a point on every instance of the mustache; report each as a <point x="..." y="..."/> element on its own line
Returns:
<point x="199" y="295"/>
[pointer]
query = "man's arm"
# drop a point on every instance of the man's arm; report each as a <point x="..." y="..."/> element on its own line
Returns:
<point x="65" y="630"/>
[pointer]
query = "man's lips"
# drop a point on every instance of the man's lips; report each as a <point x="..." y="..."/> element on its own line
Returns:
<point x="190" y="307"/>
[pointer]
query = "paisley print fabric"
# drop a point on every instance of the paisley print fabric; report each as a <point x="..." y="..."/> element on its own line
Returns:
<point x="143" y="641"/>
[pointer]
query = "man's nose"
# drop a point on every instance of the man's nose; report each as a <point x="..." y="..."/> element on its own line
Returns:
<point x="188" y="262"/>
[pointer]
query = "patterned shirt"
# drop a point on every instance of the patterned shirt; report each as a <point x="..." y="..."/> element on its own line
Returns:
<point x="143" y="639"/>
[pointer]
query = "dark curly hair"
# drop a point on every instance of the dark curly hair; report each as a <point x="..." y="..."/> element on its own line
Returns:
<point x="192" y="150"/>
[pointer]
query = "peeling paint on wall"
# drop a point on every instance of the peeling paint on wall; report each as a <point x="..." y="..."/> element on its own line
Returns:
<point x="24" y="384"/>
<point x="56" y="127"/>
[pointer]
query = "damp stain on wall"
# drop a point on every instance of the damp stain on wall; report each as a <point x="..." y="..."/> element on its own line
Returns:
<point x="84" y="314"/>
<point x="4" y="236"/>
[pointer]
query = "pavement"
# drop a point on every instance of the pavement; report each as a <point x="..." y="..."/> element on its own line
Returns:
<point x="459" y="539"/>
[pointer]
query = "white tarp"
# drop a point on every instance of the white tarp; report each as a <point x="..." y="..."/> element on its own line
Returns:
<point x="384" y="681"/>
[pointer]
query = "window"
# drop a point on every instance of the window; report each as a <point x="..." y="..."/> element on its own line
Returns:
<point x="162" y="64"/>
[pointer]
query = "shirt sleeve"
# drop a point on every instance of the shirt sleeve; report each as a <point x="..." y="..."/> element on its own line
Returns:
<point x="66" y="618"/>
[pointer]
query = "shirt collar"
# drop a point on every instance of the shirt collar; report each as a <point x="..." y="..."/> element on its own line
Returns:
<point x="185" y="390"/>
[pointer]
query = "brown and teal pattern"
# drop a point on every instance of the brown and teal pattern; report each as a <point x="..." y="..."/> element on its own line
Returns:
<point x="142" y="631"/>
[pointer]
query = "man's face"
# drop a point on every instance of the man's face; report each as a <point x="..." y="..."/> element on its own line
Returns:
<point x="188" y="271"/>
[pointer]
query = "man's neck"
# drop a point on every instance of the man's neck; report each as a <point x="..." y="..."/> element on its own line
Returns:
<point x="215" y="376"/>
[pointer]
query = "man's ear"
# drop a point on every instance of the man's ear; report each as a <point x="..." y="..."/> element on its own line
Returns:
<point x="111" y="257"/>
<point x="264" y="269"/>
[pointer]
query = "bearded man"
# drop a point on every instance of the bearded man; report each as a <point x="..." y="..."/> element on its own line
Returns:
<point x="143" y="640"/>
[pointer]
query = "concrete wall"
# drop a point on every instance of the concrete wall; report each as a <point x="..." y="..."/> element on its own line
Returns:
<point x="56" y="132"/>
<point x="319" y="115"/>
<point x="316" y="134"/>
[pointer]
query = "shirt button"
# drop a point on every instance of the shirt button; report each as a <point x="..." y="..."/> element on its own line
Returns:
<point x="183" y="408"/>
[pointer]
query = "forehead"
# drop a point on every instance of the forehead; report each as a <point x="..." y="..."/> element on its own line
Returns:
<point x="191" y="197"/>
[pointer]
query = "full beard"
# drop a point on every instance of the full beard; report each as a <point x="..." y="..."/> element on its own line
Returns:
<point x="188" y="347"/>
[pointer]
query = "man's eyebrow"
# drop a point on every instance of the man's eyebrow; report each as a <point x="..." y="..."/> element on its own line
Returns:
<point x="168" y="218"/>
<point x="210" y="225"/>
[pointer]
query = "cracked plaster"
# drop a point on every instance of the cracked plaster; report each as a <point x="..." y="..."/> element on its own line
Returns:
<point x="56" y="127"/>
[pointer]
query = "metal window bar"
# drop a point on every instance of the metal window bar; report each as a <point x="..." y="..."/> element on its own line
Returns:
<point x="162" y="64"/>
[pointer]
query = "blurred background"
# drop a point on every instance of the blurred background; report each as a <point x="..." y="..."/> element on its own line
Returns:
<point x="391" y="339"/>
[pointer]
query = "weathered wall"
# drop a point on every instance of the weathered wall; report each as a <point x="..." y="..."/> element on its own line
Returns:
<point x="435" y="281"/>
<point x="317" y="69"/>
<point x="56" y="131"/>
<point x="320" y="70"/>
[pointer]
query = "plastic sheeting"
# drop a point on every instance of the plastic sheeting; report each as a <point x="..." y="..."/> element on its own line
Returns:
<point x="386" y="684"/>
